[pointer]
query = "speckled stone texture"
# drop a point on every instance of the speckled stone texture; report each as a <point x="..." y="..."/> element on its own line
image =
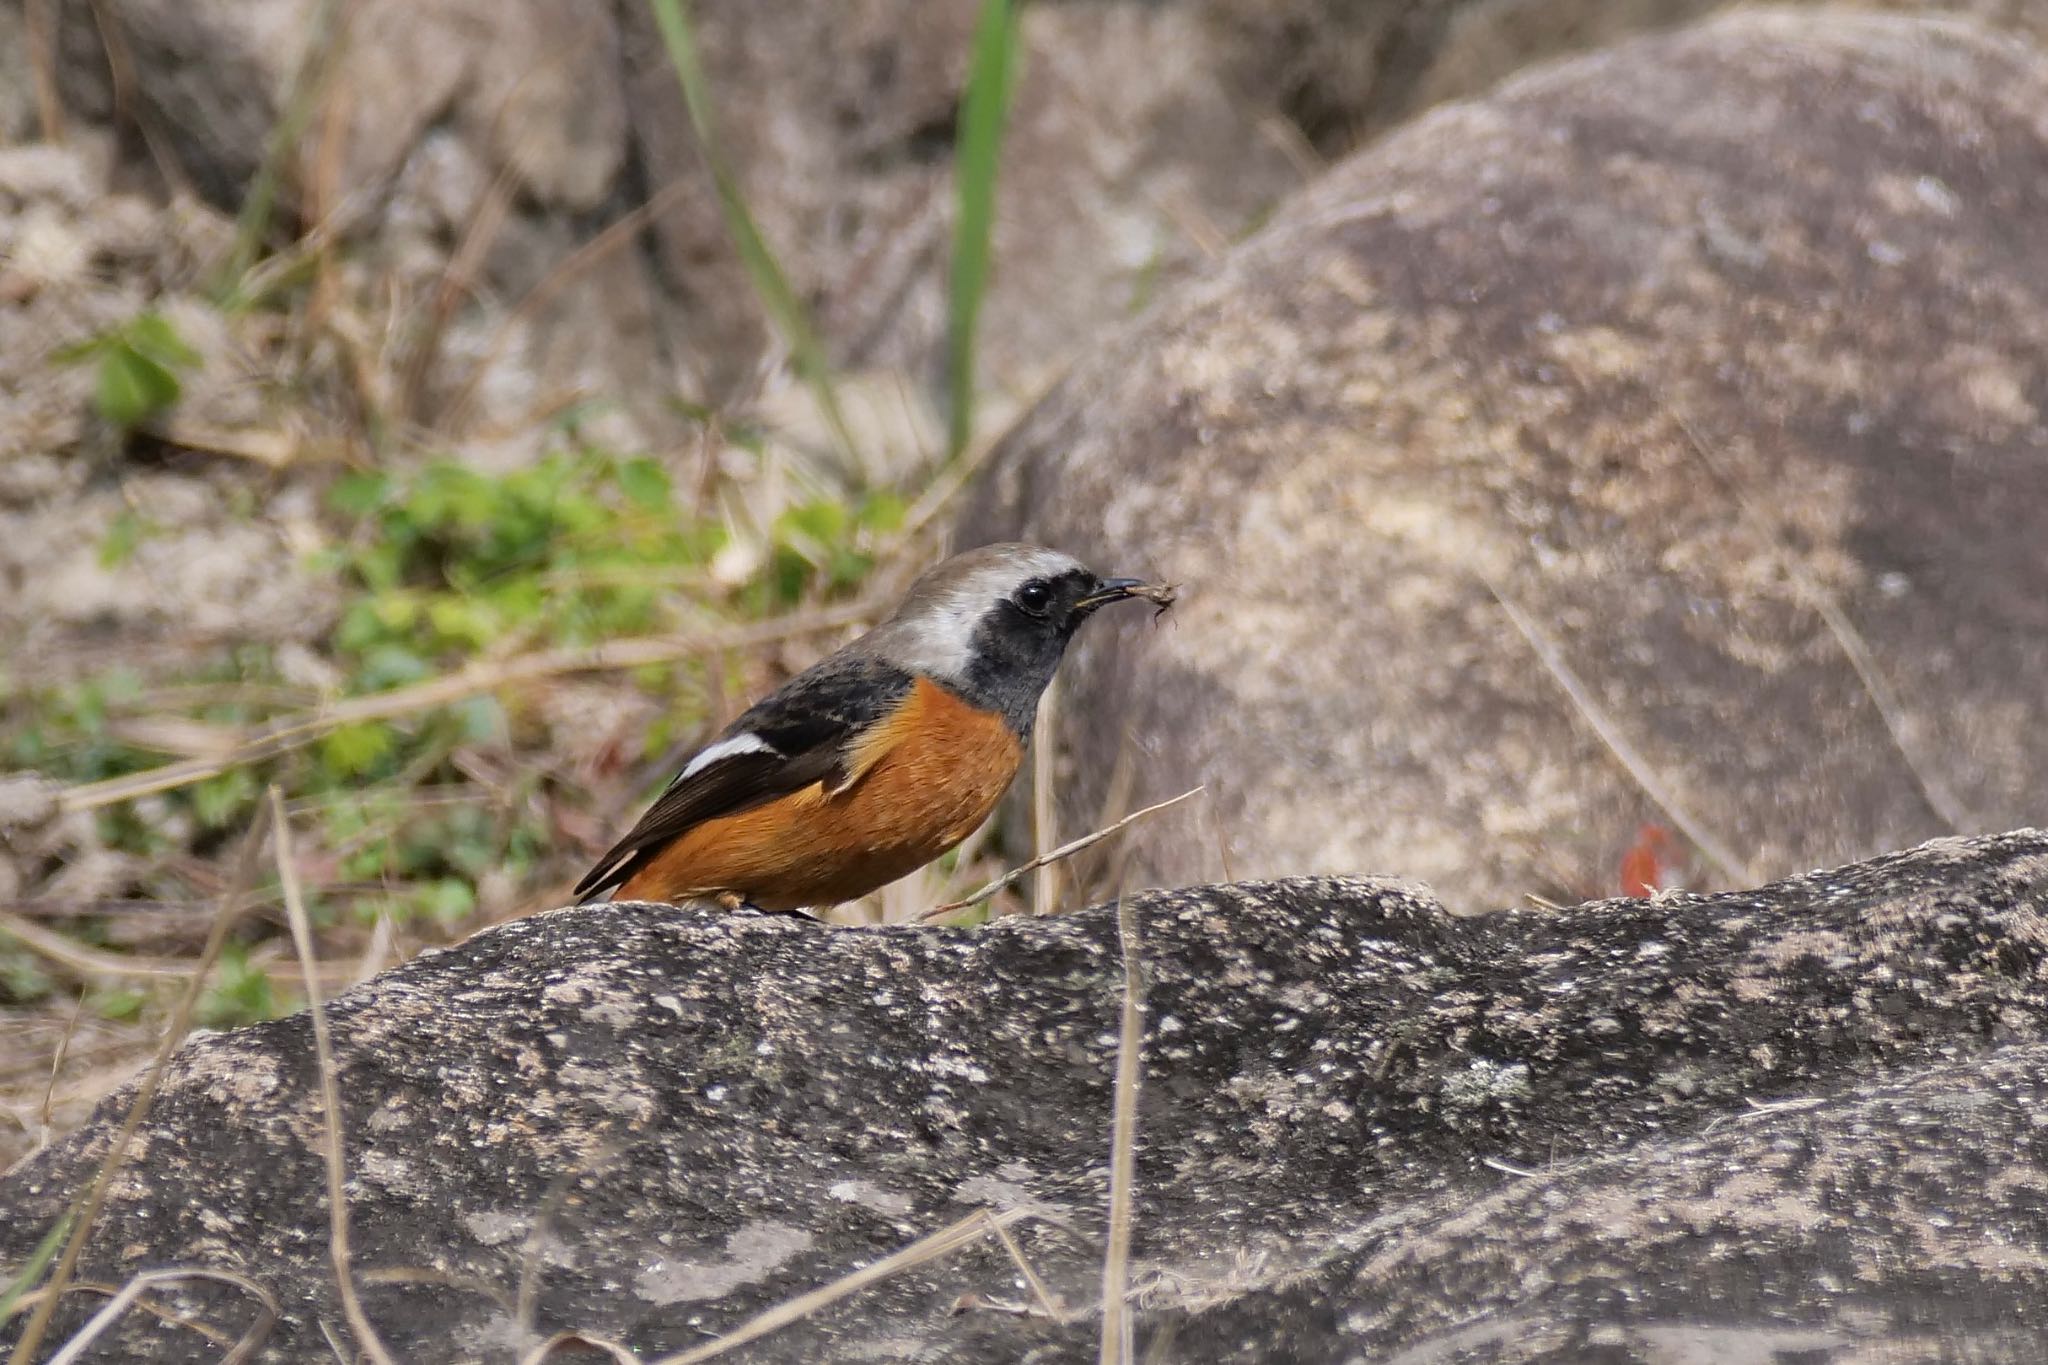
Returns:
<point x="1721" y="356"/>
<point x="1815" y="1113"/>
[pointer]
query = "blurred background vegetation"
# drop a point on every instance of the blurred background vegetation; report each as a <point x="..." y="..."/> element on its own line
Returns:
<point x="507" y="654"/>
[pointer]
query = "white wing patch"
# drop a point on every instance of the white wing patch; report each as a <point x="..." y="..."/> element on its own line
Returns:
<point x="748" y="743"/>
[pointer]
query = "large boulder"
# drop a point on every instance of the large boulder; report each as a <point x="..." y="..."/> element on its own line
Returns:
<point x="1656" y="441"/>
<point x="1801" y="1114"/>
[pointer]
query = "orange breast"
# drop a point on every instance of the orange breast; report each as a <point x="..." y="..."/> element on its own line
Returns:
<point x="923" y="779"/>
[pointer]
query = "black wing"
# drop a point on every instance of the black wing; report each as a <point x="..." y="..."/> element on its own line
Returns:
<point x="804" y="728"/>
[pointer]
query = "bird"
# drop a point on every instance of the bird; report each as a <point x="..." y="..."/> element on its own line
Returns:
<point x="878" y="758"/>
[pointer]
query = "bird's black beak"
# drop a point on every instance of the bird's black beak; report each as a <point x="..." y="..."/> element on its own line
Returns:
<point x="1110" y="590"/>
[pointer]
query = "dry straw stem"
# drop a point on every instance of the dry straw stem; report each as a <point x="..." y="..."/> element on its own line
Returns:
<point x="57" y="1060"/>
<point x="330" y="1092"/>
<point x="1730" y="864"/>
<point x="486" y="218"/>
<point x="74" y="1349"/>
<point x="85" y="1210"/>
<point x="1940" y="799"/>
<point x="1066" y="850"/>
<point x="141" y="1303"/>
<point x="297" y="731"/>
<point x="931" y="1247"/>
<point x="1045" y="887"/>
<point x="82" y="961"/>
<point x="42" y="63"/>
<point x="1116" y="1261"/>
<point x="1048" y="1302"/>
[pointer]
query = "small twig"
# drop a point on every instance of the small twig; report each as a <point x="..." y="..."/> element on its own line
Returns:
<point x="1047" y="1300"/>
<point x="56" y="1070"/>
<point x="295" y="732"/>
<point x="930" y="1247"/>
<point x="1116" y="1261"/>
<point x="163" y="1312"/>
<point x="1066" y="850"/>
<point x="1638" y="768"/>
<point x="1495" y="1164"/>
<point x="330" y="1091"/>
<point x="85" y="1210"/>
<point x="126" y="1296"/>
<point x="483" y="222"/>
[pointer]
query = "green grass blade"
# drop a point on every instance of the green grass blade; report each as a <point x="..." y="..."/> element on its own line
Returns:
<point x="38" y="1261"/>
<point x="784" y="309"/>
<point x="302" y="99"/>
<point x="978" y="155"/>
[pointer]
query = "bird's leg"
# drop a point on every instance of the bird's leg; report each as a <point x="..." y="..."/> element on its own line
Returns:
<point x="797" y="911"/>
<point x="734" y="901"/>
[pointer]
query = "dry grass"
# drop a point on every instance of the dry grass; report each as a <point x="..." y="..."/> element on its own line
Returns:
<point x="930" y="1247"/>
<point x="1060" y="854"/>
<point x="490" y="676"/>
<point x="1116" y="1346"/>
<point x="330" y="1089"/>
<point x="130" y="1294"/>
<point x="85" y="1210"/>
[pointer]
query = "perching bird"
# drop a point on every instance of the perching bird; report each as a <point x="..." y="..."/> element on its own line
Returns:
<point x="877" y="759"/>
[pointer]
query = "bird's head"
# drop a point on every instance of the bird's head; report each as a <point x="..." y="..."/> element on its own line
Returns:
<point x="993" y="623"/>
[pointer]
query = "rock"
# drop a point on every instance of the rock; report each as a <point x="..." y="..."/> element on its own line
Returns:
<point x="1771" y="1236"/>
<point x="1143" y="138"/>
<point x="673" y="1120"/>
<point x="1691" y="392"/>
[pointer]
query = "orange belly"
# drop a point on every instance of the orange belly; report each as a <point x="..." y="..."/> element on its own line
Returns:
<point x="924" y="779"/>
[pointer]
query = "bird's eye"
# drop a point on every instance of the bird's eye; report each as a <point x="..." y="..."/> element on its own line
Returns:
<point x="1035" y="598"/>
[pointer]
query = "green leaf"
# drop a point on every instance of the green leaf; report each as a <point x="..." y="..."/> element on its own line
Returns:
<point x="22" y="979"/>
<point x="358" y="495"/>
<point x="356" y="750"/>
<point x="481" y="719"/>
<point x="825" y="521"/>
<point x="116" y="1003"/>
<point x="447" y="900"/>
<point x="386" y="666"/>
<point x="222" y="801"/>
<point x="883" y="512"/>
<point x="241" y="994"/>
<point x="132" y="388"/>
<point x="646" y="483"/>
<point x="151" y="335"/>
<point x="124" y="534"/>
